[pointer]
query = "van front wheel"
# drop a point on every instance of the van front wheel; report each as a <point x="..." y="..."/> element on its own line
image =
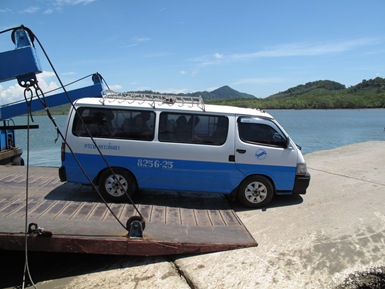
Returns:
<point x="255" y="192"/>
<point x="115" y="186"/>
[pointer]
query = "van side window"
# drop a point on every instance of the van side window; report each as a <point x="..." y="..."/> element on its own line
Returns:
<point x="193" y="128"/>
<point x="115" y="123"/>
<point x="260" y="133"/>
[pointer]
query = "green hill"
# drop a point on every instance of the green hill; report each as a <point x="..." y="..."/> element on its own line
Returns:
<point x="315" y="87"/>
<point x="224" y="93"/>
<point x="229" y="93"/>
<point x="322" y="94"/>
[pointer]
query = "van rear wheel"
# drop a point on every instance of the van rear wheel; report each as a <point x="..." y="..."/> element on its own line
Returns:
<point x="115" y="187"/>
<point x="255" y="192"/>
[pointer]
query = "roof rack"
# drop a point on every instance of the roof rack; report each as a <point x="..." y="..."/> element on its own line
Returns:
<point x="169" y="99"/>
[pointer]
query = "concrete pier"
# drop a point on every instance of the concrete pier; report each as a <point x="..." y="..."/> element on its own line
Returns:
<point x="309" y="241"/>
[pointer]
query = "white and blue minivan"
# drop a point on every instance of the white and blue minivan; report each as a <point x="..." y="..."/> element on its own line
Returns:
<point x="180" y="144"/>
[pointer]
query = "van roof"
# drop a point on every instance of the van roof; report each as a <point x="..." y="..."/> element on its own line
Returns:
<point x="187" y="107"/>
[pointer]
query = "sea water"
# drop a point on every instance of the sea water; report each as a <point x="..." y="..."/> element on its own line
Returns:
<point x="316" y="130"/>
<point x="313" y="130"/>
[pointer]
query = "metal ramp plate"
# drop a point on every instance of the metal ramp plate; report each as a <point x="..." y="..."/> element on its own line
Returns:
<point x="176" y="223"/>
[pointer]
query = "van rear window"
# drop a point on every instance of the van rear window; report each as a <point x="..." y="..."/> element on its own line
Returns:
<point x="193" y="128"/>
<point x="114" y="123"/>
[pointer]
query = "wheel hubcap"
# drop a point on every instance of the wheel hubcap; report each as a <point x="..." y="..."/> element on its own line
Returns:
<point x="256" y="192"/>
<point x="116" y="186"/>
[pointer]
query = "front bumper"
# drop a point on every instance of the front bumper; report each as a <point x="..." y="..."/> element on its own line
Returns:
<point x="301" y="183"/>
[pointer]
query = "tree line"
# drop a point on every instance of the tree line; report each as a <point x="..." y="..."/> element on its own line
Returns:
<point x="323" y="94"/>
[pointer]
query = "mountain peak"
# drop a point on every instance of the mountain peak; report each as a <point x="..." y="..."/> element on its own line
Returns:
<point x="226" y="92"/>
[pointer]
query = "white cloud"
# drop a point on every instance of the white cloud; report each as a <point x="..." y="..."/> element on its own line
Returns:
<point x="190" y="73"/>
<point x="137" y="41"/>
<point x="45" y="75"/>
<point x="304" y="49"/>
<point x="51" y="6"/>
<point x="30" y="10"/>
<point x="74" y="2"/>
<point x="287" y="50"/>
<point x="218" y="55"/>
<point x="15" y="92"/>
<point x="116" y="87"/>
<point x="11" y="94"/>
<point x="141" y="39"/>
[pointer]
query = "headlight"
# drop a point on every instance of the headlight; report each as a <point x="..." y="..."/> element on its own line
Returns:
<point x="301" y="169"/>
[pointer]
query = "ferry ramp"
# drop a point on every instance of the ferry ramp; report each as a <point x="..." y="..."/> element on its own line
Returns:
<point x="75" y="219"/>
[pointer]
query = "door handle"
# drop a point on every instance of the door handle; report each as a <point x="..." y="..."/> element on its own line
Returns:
<point x="241" y="151"/>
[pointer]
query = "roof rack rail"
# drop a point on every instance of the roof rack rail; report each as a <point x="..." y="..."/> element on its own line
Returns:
<point x="169" y="99"/>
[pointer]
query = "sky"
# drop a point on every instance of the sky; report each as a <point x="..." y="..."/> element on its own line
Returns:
<point x="175" y="46"/>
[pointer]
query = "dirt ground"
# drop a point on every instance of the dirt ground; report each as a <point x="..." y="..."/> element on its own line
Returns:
<point x="318" y="240"/>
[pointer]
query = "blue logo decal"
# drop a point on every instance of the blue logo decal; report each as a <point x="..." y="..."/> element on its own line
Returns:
<point x="261" y="154"/>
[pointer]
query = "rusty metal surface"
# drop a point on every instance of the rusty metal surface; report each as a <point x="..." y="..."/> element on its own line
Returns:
<point x="176" y="223"/>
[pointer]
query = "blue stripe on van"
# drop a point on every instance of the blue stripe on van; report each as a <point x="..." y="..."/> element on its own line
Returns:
<point x="169" y="174"/>
<point x="283" y="177"/>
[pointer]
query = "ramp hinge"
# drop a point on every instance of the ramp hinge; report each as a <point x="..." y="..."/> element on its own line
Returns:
<point x="35" y="230"/>
<point x="135" y="226"/>
<point x="136" y="230"/>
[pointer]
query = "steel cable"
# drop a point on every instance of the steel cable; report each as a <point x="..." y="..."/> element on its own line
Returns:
<point x="26" y="263"/>
<point x="91" y="137"/>
<point x="73" y="106"/>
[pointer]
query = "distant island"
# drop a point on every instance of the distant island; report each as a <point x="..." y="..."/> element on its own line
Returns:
<point x="321" y="94"/>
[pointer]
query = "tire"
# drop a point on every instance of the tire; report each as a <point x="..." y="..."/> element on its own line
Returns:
<point x="255" y="192"/>
<point x="110" y="186"/>
<point x="18" y="161"/>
